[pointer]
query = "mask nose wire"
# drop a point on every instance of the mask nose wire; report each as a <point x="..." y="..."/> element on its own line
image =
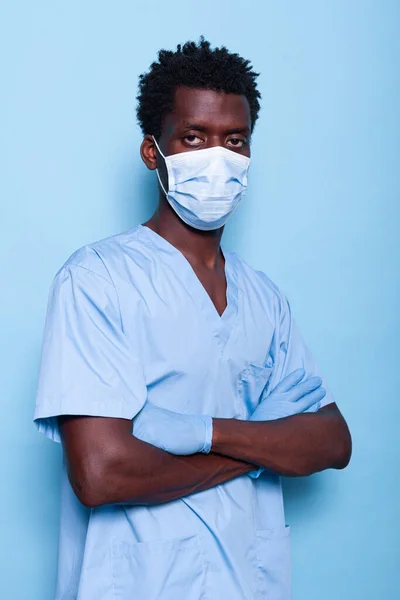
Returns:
<point x="158" y="174"/>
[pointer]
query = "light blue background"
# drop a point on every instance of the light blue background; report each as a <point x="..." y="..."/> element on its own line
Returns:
<point x="321" y="218"/>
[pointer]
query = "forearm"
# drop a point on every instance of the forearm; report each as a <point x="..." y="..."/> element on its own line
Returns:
<point x="143" y="474"/>
<point x="294" y="446"/>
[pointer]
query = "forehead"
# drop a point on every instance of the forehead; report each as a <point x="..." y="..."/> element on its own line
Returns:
<point x="209" y="109"/>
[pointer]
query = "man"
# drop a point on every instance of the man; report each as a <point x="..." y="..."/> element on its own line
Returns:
<point x="175" y="375"/>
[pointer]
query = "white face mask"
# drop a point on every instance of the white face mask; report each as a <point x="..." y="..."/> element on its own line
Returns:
<point x="205" y="186"/>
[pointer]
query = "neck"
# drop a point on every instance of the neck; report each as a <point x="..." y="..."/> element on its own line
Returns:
<point x="199" y="247"/>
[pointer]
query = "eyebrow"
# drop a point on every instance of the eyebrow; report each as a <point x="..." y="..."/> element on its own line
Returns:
<point x="238" y="130"/>
<point x="197" y="127"/>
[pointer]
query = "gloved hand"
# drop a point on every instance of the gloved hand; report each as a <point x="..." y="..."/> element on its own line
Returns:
<point x="288" y="398"/>
<point x="173" y="432"/>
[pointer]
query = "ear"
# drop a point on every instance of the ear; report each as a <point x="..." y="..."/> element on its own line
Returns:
<point x="148" y="152"/>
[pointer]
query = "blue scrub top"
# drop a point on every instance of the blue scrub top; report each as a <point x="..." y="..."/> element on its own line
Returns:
<point x="129" y="321"/>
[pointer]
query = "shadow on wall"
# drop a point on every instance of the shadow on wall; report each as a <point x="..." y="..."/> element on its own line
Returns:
<point x="136" y="193"/>
<point x="33" y="480"/>
<point x="308" y="498"/>
<point x="40" y="470"/>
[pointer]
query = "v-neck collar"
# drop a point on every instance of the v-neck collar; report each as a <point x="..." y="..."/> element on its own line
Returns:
<point x="222" y="325"/>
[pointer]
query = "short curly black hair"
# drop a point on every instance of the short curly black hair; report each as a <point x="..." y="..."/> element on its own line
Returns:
<point x="194" y="65"/>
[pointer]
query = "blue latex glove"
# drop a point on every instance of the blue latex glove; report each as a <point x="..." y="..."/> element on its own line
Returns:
<point x="290" y="397"/>
<point x="173" y="432"/>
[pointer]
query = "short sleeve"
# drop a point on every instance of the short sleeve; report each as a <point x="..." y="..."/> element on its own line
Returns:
<point x="87" y="365"/>
<point x="292" y="353"/>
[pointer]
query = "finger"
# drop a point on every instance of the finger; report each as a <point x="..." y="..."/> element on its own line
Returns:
<point x="314" y="408"/>
<point x="289" y="381"/>
<point x="310" y="399"/>
<point x="303" y="388"/>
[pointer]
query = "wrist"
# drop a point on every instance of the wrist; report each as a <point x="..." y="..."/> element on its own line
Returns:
<point x="231" y="439"/>
<point x="224" y="434"/>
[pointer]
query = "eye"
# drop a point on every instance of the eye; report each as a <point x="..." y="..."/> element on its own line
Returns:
<point x="192" y="140"/>
<point x="236" y="142"/>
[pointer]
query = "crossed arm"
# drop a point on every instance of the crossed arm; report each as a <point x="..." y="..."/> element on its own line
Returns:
<point x="107" y="464"/>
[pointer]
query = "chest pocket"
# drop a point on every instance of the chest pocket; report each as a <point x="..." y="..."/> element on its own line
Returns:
<point x="251" y="384"/>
